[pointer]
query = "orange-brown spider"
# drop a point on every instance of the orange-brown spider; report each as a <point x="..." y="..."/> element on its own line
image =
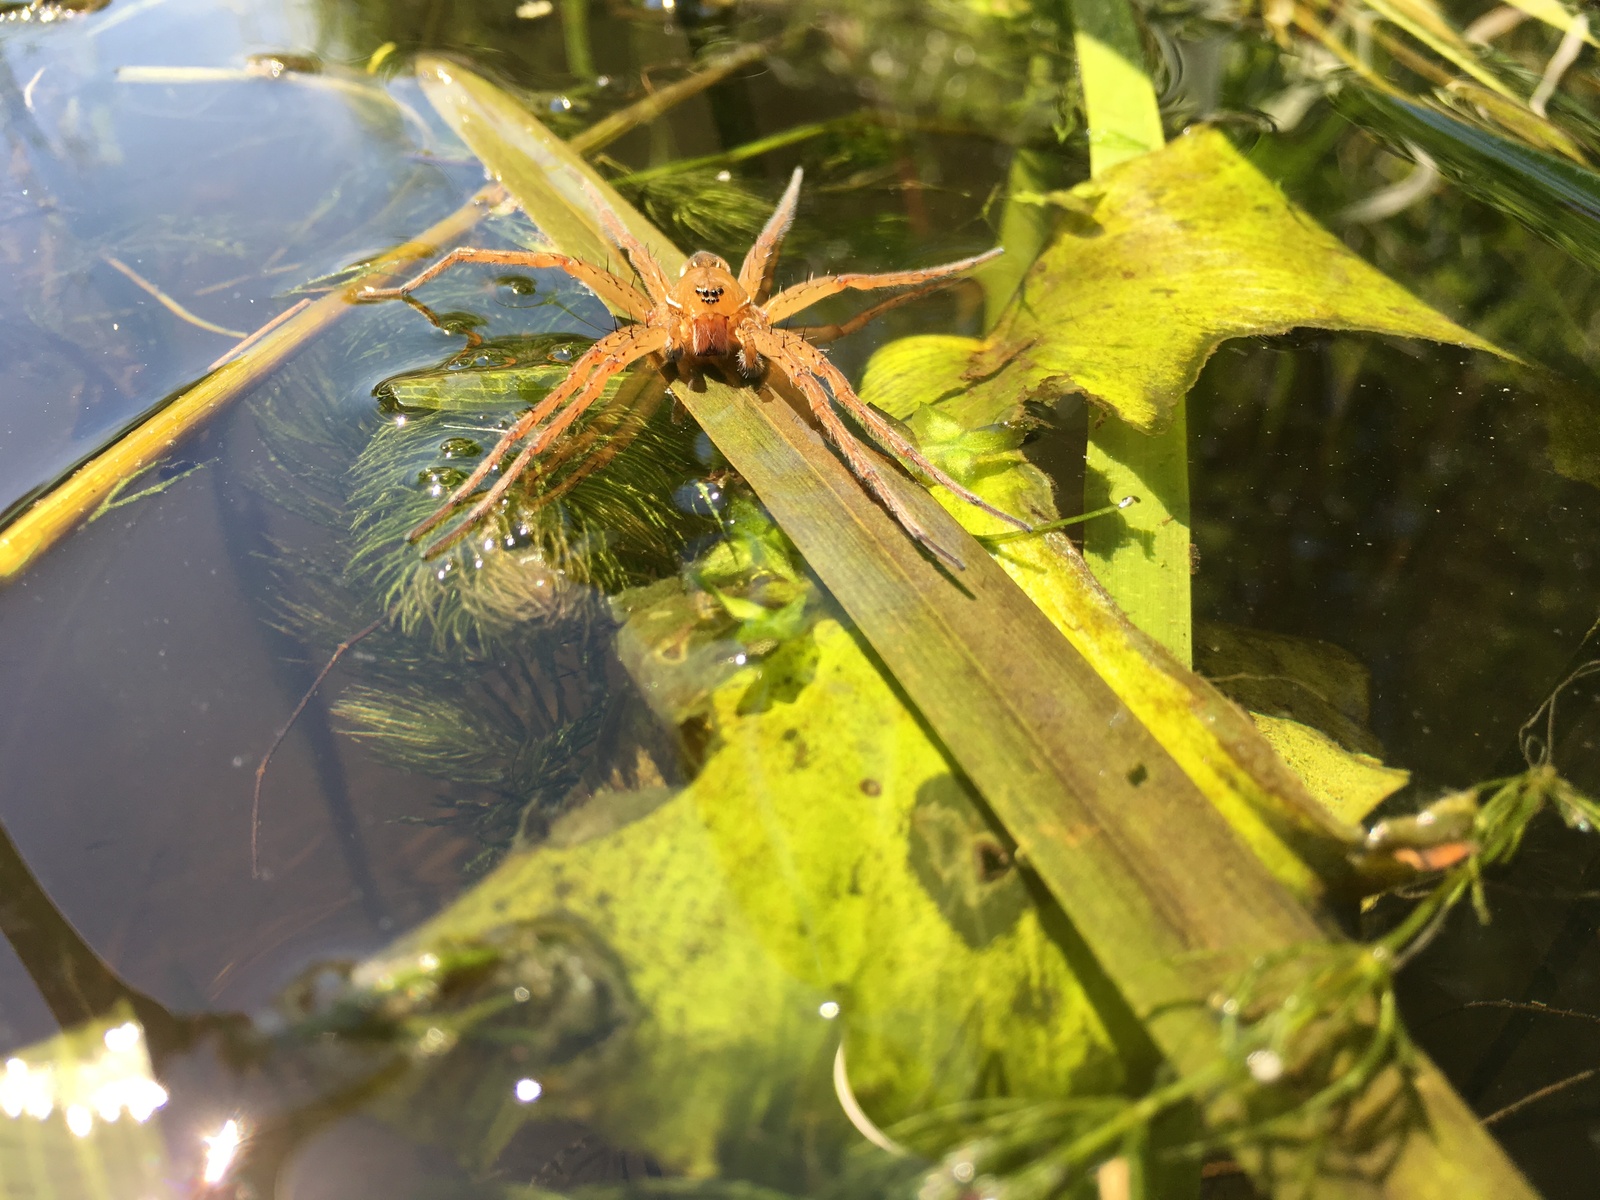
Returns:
<point x="708" y="319"/>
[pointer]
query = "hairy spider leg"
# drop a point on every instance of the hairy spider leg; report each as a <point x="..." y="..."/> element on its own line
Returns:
<point x="590" y="360"/>
<point x="755" y="273"/>
<point x="644" y="263"/>
<point x="865" y="468"/>
<point x="643" y="341"/>
<point x="821" y="335"/>
<point x="817" y="363"/>
<point x="804" y="295"/>
<point x="633" y="414"/>
<point x="617" y="293"/>
<point x="474" y="338"/>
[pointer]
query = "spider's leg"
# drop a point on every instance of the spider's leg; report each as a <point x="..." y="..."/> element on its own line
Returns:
<point x="817" y="362"/>
<point x="804" y="295"/>
<point x="644" y="263"/>
<point x="474" y="338"/>
<point x="821" y="335"/>
<point x="617" y="294"/>
<point x="640" y="342"/>
<point x="755" y="273"/>
<point x="864" y="467"/>
<point x="580" y="373"/>
<point x="613" y="438"/>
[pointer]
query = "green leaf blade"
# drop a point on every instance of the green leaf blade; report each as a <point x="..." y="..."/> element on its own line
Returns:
<point x="1189" y="246"/>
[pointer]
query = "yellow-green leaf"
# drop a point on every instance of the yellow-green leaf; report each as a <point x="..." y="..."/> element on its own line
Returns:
<point x="1347" y="783"/>
<point x="1212" y="741"/>
<point x="1310" y="701"/>
<point x="1313" y="682"/>
<point x="826" y="852"/>
<point x="1188" y="246"/>
<point x="897" y="377"/>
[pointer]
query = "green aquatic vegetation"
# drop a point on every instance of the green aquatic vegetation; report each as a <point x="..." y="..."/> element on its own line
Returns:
<point x="1558" y="199"/>
<point x="1197" y="234"/>
<point x="825" y="853"/>
<point x="1270" y="807"/>
<point x="702" y="207"/>
<point x="834" y="846"/>
<point x="602" y="512"/>
<point x="1004" y="67"/>
<point x="1146" y="947"/>
<point x="509" y="640"/>
<point x="744" y="606"/>
<point x="1310" y="1042"/>
<point x="1310" y="701"/>
<point x="78" y="1115"/>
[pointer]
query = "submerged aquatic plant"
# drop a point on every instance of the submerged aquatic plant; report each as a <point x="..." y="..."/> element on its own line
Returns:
<point x="1310" y="1045"/>
<point x="508" y="637"/>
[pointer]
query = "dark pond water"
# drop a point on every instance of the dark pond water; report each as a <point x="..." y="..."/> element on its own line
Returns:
<point x="1398" y="501"/>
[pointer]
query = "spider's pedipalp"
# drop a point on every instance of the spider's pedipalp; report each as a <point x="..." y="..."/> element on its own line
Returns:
<point x="803" y="295"/>
<point x="751" y="366"/>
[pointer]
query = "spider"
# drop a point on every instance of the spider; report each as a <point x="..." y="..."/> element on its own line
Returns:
<point x="708" y="319"/>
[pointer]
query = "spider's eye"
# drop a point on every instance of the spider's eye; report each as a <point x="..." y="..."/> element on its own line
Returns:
<point x="709" y="294"/>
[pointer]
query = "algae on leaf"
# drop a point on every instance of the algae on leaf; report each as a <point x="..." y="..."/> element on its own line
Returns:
<point x="973" y="434"/>
<point x="825" y="855"/>
<point x="1348" y="783"/>
<point x="1309" y="699"/>
<point x="1179" y="250"/>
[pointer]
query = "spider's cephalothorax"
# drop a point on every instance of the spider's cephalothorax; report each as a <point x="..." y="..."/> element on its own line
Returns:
<point x="709" y="319"/>
<point x="709" y="306"/>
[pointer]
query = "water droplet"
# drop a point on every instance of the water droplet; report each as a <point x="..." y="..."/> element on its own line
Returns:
<point x="1266" y="1066"/>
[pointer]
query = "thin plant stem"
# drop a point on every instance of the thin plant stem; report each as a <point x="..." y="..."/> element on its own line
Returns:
<point x="69" y="503"/>
<point x="166" y="301"/>
<point x="994" y="539"/>
<point x="266" y="759"/>
<point x="575" y="36"/>
<point x="255" y="337"/>
<point x="1560" y="1085"/>
<point x="603" y="133"/>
